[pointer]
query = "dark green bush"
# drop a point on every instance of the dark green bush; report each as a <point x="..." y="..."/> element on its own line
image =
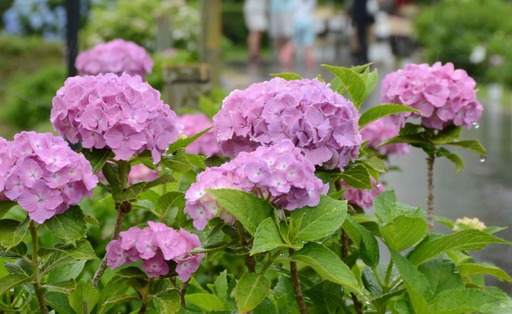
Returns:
<point x="451" y="30"/>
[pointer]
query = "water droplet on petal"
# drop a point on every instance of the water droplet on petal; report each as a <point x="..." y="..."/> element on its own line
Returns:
<point x="476" y="125"/>
<point x="482" y="158"/>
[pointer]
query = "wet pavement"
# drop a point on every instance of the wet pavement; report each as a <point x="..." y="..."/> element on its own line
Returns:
<point x="482" y="189"/>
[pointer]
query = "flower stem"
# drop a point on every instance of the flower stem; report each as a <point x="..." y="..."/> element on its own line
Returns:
<point x="430" y="178"/>
<point x="344" y="253"/>
<point x="249" y="260"/>
<point x="303" y="309"/>
<point x="122" y="209"/>
<point x="271" y="259"/>
<point x="183" y="292"/>
<point x="35" y="268"/>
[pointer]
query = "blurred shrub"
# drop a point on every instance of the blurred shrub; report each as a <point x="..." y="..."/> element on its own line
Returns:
<point x="136" y="20"/>
<point x="475" y="35"/>
<point x="28" y="99"/>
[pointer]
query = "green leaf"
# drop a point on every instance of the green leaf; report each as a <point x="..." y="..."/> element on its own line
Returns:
<point x="132" y="193"/>
<point x="111" y="172"/>
<point x="371" y="79"/>
<point x="5" y="206"/>
<point x="484" y="269"/>
<point x="404" y="232"/>
<point x="205" y="301"/>
<point x="65" y="273"/>
<point x="383" y="110"/>
<point x="328" y="265"/>
<point x="351" y="82"/>
<point x="97" y="157"/>
<point x="416" y="284"/>
<point x="320" y="221"/>
<point x="183" y="142"/>
<point x="442" y="275"/>
<point x="84" y="298"/>
<point x="464" y="300"/>
<point x="368" y="245"/>
<point x="387" y="208"/>
<point x="376" y="164"/>
<point x="177" y="162"/>
<point x="69" y="226"/>
<point x="12" y="232"/>
<point x="113" y="292"/>
<point x="170" y="200"/>
<point x="64" y="287"/>
<point x="358" y="177"/>
<point x="463" y="240"/>
<point x="250" y="291"/>
<point x="169" y="301"/>
<point x="58" y="301"/>
<point x="81" y="250"/>
<point x="11" y="281"/>
<point x="472" y="145"/>
<point x="267" y="237"/>
<point x="289" y="76"/>
<point x="246" y="207"/>
<point x="454" y="158"/>
<point x="447" y="135"/>
<point x="220" y="286"/>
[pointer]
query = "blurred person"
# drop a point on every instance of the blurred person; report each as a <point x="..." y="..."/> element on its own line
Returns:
<point x="305" y="30"/>
<point x="281" y="29"/>
<point x="255" y="16"/>
<point x="362" y="19"/>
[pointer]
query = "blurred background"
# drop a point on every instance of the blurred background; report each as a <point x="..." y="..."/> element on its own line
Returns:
<point x="203" y="49"/>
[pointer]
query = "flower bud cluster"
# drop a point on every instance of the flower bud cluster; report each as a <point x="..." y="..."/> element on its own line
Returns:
<point x="206" y="144"/>
<point x="322" y="123"/>
<point x="444" y="95"/>
<point x="467" y="223"/>
<point x="117" y="56"/>
<point x="43" y="174"/>
<point x="362" y="198"/>
<point x="122" y="113"/>
<point x="156" y="245"/>
<point x="381" y="130"/>
<point x="279" y="173"/>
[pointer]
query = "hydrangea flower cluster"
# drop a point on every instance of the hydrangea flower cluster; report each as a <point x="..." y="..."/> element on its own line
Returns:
<point x="156" y="245"/>
<point x="43" y="174"/>
<point x="467" y="223"/>
<point x="280" y="173"/>
<point x="362" y="198"/>
<point x="206" y="144"/>
<point x="443" y="94"/>
<point x="116" y="56"/>
<point x="322" y="123"/>
<point x="121" y="113"/>
<point x="381" y="130"/>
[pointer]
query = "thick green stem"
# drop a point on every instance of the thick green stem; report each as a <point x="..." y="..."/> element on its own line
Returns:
<point x="146" y="297"/>
<point x="271" y="259"/>
<point x="183" y="292"/>
<point x="122" y="210"/>
<point x="387" y="287"/>
<point x="249" y="260"/>
<point x="35" y="268"/>
<point x="303" y="309"/>
<point x="430" y="178"/>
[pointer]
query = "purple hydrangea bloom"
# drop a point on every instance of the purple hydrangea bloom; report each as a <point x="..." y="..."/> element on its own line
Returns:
<point x="206" y="144"/>
<point x="117" y="56"/>
<point x="362" y="198"/>
<point x="43" y="174"/>
<point x="156" y="245"/>
<point x="445" y="96"/>
<point x="122" y="113"/>
<point x="322" y="123"/>
<point x="280" y="173"/>
<point x="381" y="130"/>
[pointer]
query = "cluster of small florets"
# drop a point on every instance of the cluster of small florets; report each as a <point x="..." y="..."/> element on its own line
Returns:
<point x="467" y="223"/>
<point x="43" y="174"/>
<point x="117" y="56"/>
<point x="444" y="95"/>
<point x="206" y="144"/>
<point x="122" y="113"/>
<point x="156" y="245"/>
<point x="279" y="173"/>
<point x="319" y="121"/>
<point x="381" y="130"/>
<point x="362" y="198"/>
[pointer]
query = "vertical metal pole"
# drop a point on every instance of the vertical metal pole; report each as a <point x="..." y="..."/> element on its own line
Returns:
<point x="72" y="25"/>
<point x="211" y="37"/>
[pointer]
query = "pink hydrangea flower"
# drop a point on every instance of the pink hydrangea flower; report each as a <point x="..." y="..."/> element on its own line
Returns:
<point x="43" y="174"/>
<point x="445" y="95"/>
<point x="122" y="113"/>
<point x="117" y="56"/>
<point x="362" y="198"/>
<point x="322" y="123"/>
<point x="380" y="131"/>
<point x="280" y="173"/>
<point x="156" y="245"/>
<point x="206" y="144"/>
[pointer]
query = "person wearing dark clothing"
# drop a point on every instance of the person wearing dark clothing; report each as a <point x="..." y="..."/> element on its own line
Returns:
<point x="361" y="20"/>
